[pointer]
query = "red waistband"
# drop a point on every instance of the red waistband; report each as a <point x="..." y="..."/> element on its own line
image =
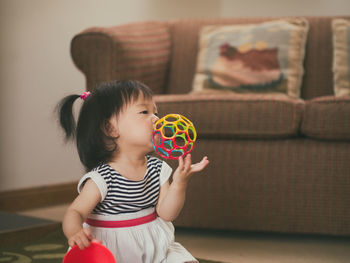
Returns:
<point x="122" y="223"/>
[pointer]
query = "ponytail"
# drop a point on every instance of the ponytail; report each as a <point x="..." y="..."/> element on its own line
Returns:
<point x="66" y="118"/>
<point x="94" y="145"/>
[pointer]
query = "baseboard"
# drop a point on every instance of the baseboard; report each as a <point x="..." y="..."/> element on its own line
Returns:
<point x="36" y="197"/>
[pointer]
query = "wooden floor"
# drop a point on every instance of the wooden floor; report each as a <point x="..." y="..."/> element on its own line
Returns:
<point x="245" y="247"/>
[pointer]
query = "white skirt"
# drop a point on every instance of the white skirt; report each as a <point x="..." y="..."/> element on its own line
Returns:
<point x="151" y="242"/>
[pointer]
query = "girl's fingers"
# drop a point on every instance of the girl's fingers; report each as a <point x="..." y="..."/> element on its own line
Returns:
<point x="87" y="232"/>
<point x="201" y="165"/>
<point x="71" y="243"/>
<point x="83" y="242"/>
<point x="186" y="167"/>
<point x="181" y="163"/>
<point x="81" y="239"/>
<point x="79" y="243"/>
<point x="86" y="242"/>
<point x="187" y="162"/>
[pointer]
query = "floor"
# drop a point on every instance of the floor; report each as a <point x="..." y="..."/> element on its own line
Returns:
<point x="13" y="222"/>
<point x="246" y="247"/>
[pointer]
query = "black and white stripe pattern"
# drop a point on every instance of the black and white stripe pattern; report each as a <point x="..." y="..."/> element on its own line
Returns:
<point x="126" y="196"/>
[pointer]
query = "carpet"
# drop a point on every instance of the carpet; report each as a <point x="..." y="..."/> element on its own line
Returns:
<point x="49" y="249"/>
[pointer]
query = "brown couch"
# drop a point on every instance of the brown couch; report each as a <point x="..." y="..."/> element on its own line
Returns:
<point x="277" y="165"/>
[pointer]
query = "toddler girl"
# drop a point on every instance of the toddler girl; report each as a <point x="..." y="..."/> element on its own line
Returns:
<point x="126" y="201"/>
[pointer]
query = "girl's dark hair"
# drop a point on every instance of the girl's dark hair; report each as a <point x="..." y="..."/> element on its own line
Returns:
<point x="94" y="144"/>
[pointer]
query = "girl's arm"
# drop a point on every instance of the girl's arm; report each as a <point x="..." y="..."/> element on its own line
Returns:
<point x="76" y="214"/>
<point x="172" y="196"/>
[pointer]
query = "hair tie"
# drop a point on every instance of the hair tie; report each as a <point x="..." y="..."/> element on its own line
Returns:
<point x="85" y="95"/>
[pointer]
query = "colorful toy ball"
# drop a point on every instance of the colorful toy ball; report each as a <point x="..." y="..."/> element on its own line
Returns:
<point x="174" y="136"/>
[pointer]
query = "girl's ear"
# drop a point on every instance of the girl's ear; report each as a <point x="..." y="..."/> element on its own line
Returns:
<point x="110" y="128"/>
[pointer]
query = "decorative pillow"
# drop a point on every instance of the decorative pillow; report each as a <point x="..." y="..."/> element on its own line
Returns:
<point x="252" y="58"/>
<point x="341" y="57"/>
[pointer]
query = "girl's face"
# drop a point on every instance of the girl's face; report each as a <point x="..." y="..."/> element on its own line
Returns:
<point x="134" y="125"/>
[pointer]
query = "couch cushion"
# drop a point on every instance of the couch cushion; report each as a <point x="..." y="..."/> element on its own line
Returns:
<point x="341" y="56"/>
<point x="327" y="118"/>
<point x="254" y="58"/>
<point x="236" y="115"/>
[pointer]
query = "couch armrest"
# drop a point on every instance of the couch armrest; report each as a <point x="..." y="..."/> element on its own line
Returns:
<point x="138" y="51"/>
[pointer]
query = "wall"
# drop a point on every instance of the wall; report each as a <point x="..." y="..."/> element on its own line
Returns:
<point x="284" y="8"/>
<point x="36" y="69"/>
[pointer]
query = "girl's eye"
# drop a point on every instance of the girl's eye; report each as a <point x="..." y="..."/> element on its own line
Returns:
<point x="144" y="112"/>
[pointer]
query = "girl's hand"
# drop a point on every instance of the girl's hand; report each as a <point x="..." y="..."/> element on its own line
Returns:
<point x="82" y="238"/>
<point x="186" y="168"/>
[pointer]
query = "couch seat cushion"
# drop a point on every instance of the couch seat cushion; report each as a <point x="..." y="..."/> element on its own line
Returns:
<point x="327" y="118"/>
<point x="235" y="115"/>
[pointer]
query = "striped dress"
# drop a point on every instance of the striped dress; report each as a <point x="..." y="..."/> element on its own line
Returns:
<point x="123" y="199"/>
